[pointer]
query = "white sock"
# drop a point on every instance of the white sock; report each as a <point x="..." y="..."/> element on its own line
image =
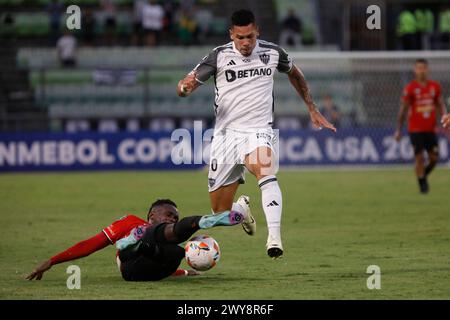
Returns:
<point x="272" y="201"/>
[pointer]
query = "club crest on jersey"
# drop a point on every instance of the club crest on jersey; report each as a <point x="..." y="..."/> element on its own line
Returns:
<point x="265" y="58"/>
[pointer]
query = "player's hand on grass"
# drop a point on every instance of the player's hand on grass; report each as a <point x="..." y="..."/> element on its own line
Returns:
<point x="39" y="271"/>
<point x="446" y="120"/>
<point x="319" y="120"/>
<point x="397" y="135"/>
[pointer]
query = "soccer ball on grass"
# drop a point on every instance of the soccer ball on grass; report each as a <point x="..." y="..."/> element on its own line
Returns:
<point x="202" y="252"/>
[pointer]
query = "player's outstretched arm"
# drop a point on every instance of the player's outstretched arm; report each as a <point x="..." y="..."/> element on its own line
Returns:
<point x="298" y="81"/>
<point x="81" y="249"/>
<point x="187" y="85"/>
<point x="400" y="119"/>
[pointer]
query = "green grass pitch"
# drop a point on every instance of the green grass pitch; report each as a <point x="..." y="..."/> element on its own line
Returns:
<point x="335" y="224"/>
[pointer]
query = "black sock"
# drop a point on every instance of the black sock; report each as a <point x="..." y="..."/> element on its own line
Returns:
<point x="186" y="227"/>
<point x="423" y="184"/>
<point x="429" y="168"/>
<point x="178" y="232"/>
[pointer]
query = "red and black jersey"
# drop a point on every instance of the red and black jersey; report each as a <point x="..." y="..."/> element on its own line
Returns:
<point x="110" y="235"/>
<point x="121" y="228"/>
<point x="423" y="101"/>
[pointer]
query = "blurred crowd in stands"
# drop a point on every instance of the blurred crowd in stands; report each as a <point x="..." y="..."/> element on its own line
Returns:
<point x="132" y="22"/>
<point x="417" y="26"/>
<point x="184" y="22"/>
<point x="114" y="22"/>
<point x="424" y="29"/>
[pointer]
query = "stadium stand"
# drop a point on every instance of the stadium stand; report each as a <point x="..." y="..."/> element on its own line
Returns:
<point x="123" y="82"/>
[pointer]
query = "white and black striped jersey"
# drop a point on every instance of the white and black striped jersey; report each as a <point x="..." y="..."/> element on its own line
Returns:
<point x="243" y="85"/>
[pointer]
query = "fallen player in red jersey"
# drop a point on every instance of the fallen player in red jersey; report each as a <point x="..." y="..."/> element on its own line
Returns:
<point x="147" y="250"/>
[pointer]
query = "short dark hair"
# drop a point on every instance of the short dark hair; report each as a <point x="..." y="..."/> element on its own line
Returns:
<point x="161" y="202"/>
<point x="242" y="18"/>
<point x="422" y="60"/>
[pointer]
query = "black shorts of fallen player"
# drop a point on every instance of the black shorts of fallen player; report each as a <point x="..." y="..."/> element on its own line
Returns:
<point x="151" y="265"/>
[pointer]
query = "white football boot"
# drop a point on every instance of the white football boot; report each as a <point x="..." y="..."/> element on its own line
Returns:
<point x="249" y="223"/>
<point x="274" y="247"/>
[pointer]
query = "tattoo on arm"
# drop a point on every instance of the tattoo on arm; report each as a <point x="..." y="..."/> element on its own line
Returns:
<point x="298" y="80"/>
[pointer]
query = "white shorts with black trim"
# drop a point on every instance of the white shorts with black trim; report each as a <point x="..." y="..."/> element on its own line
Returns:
<point x="229" y="148"/>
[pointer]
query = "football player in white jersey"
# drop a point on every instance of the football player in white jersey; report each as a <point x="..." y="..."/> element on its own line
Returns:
<point x="243" y="73"/>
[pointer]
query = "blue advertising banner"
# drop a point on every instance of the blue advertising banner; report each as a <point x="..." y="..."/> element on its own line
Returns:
<point x="362" y="146"/>
<point x="164" y="150"/>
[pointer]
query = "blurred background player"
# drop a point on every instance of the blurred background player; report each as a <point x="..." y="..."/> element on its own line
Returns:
<point x="148" y="250"/>
<point x="422" y="99"/>
<point x="243" y="70"/>
<point x="67" y="49"/>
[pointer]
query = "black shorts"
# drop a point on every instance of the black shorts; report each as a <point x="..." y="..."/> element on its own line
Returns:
<point x="424" y="141"/>
<point x="143" y="268"/>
